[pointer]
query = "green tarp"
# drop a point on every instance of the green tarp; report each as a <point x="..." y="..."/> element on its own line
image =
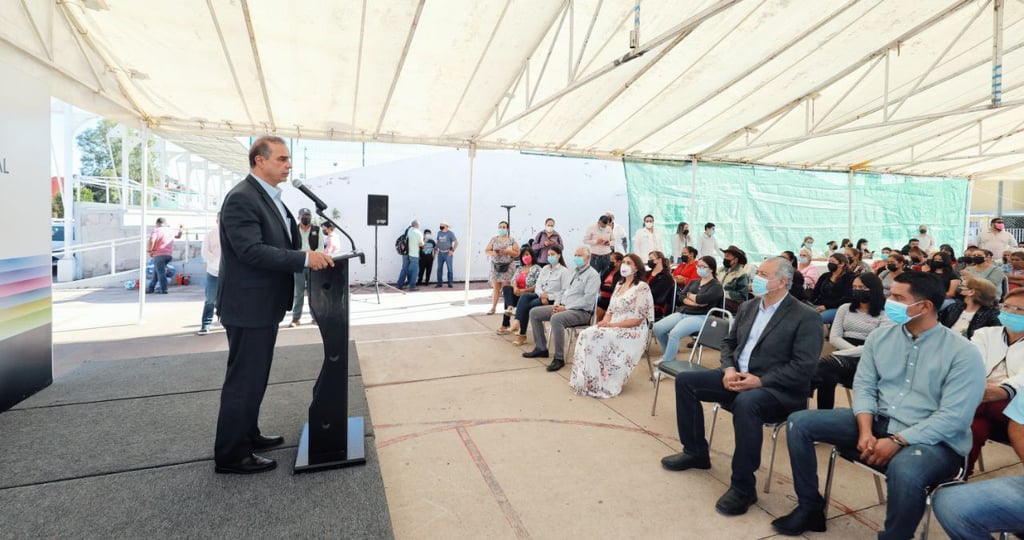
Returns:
<point x="766" y="210"/>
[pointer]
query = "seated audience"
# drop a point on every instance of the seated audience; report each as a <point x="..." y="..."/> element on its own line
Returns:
<point x="833" y="289"/>
<point x="572" y="308"/>
<point x="609" y="280"/>
<point x="879" y="263"/>
<point x="606" y="353"/>
<point x="807" y="269"/>
<point x="913" y="243"/>
<point x="551" y="281"/>
<point x="978" y="509"/>
<point x="980" y="264"/>
<point x="661" y="283"/>
<point x="1016" y="274"/>
<point x="698" y="297"/>
<point x="1003" y="353"/>
<point x="768" y="358"/>
<point x="855" y="258"/>
<point x="686" y="270"/>
<point x="949" y="251"/>
<point x="832" y="248"/>
<point x="914" y="394"/>
<point x="808" y="244"/>
<point x="976" y="309"/>
<point x="862" y="247"/>
<point x="524" y="281"/>
<point x="941" y="265"/>
<point x="734" y="277"/>
<point x="894" y="266"/>
<point x="917" y="259"/>
<point x="797" y="288"/>
<point x="853" y="323"/>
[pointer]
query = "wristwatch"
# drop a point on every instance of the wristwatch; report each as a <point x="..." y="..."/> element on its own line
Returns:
<point x="898" y="440"/>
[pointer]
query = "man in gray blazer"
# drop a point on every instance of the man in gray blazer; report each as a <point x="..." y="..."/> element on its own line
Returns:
<point x="260" y="253"/>
<point x="768" y="360"/>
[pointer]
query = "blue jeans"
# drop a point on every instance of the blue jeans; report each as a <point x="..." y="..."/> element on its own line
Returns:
<point x="910" y="472"/>
<point x="978" y="509"/>
<point x="410" y="271"/>
<point x="444" y="258"/>
<point x="828" y="316"/>
<point x="300" y="294"/>
<point x="211" y="298"/>
<point x="672" y="329"/>
<point x="159" y="273"/>
<point x="525" y="303"/>
<point x="751" y="409"/>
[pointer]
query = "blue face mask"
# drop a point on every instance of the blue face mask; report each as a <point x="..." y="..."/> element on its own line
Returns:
<point x="579" y="261"/>
<point x="703" y="271"/>
<point x="759" y="286"/>
<point x="897" y="311"/>
<point x="803" y="260"/>
<point x="1012" y="321"/>
<point x="552" y="259"/>
<point x="502" y="232"/>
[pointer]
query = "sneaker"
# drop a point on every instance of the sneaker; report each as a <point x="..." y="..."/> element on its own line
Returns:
<point x="293" y="324"/>
<point x="203" y="331"/>
<point x="510" y="311"/>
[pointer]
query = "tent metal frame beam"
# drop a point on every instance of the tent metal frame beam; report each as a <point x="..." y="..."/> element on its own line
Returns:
<point x="258" y="63"/>
<point x="666" y="36"/>
<point x="997" y="52"/>
<point x="401" y="64"/>
<point x="530" y="96"/>
<point x="359" y="63"/>
<point x="227" y="58"/>
<point x="931" y="21"/>
<point x="575" y="70"/>
<point x="47" y="47"/>
<point x="945" y="156"/>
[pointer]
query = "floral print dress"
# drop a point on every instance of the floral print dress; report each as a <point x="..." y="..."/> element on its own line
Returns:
<point x="604" y="357"/>
<point x="500" y="243"/>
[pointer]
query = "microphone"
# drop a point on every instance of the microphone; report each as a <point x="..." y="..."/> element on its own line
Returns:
<point x="320" y="205"/>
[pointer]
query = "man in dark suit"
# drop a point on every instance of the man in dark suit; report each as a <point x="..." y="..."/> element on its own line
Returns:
<point x="768" y="360"/>
<point x="259" y="256"/>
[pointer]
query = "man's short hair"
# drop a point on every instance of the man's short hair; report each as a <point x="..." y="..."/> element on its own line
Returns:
<point x="604" y="220"/>
<point x="261" y="147"/>
<point x="924" y="286"/>
<point x="783" y="269"/>
<point x="914" y="241"/>
<point x="585" y="248"/>
<point x="708" y="225"/>
<point x="994" y="220"/>
<point x="160" y="222"/>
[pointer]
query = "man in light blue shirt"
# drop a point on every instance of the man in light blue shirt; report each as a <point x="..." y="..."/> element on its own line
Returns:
<point x="915" y="392"/>
<point x="978" y="509"/>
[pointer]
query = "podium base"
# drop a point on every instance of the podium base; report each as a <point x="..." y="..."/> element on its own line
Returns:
<point x="355" y="454"/>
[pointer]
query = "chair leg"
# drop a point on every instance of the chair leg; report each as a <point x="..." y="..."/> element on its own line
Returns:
<point x="849" y="396"/>
<point x="657" y="383"/>
<point x="714" y="417"/>
<point x="927" y="515"/>
<point x="879" y="490"/>
<point x="771" y="460"/>
<point x="829" y="476"/>
<point x="981" y="461"/>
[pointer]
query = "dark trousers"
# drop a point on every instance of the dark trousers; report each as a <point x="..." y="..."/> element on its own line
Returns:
<point x="832" y="370"/>
<point x="250" y="353"/>
<point x="751" y="409"/>
<point x="989" y="423"/>
<point x="159" y="280"/>
<point x="511" y="300"/>
<point x="426" y="263"/>
<point x="601" y="263"/>
<point x="525" y="303"/>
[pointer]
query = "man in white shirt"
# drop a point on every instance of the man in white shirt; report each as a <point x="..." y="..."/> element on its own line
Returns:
<point x="708" y="246"/>
<point x="310" y="235"/>
<point x="996" y="239"/>
<point x="926" y="241"/>
<point x="211" y="254"/>
<point x="620" y="238"/>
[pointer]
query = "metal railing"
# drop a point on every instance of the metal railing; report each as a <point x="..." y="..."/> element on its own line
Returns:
<point x="114" y="243"/>
<point x="173" y="197"/>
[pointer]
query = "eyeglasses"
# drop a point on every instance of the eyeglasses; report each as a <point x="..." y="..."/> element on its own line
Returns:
<point x="1011" y="309"/>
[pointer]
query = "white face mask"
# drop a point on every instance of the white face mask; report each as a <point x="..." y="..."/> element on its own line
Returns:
<point x="626" y="270"/>
<point x="549" y="230"/>
<point x="649" y="224"/>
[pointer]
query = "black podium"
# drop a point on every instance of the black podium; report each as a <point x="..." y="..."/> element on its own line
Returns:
<point x="330" y="439"/>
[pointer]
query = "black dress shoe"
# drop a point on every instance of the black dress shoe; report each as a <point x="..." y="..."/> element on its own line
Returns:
<point x="263" y="441"/>
<point x="536" y="353"/>
<point x="556" y="364"/>
<point x="683" y="461"/>
<point x="248" y="465"/>
<point x="735" y="502"/>
<point x="800" y="521"/>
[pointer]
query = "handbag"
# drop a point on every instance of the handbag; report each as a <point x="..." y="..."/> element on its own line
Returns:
<point x="501" y="268"/>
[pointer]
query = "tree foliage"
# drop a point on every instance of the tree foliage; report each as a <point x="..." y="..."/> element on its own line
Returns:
<point x="101" y="156"/>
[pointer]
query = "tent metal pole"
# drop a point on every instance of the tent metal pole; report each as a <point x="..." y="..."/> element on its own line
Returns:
<point x="143" y="255"/>
<point x="967" y="212"/>
<point x="125" y="152"/>
<point x="997" y="52"/>
<point x="468" y="250"/>
<point x="849" y="208"/>
<point x="693" y="184"/>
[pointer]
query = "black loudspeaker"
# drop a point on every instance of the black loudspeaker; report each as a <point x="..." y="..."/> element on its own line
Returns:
<point x="376" y="210"/>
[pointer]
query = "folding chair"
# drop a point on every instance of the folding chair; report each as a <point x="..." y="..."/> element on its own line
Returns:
<point x="650" y="334"/>
<point x="712" y="332"/>
<point x="853" y="456"/>
<point x="775" y="426"/>
<point x="573" y="331"/>
<point x="981" y="455"/>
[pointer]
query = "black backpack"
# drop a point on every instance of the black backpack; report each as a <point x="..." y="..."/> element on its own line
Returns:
<point x="402" y="244"/>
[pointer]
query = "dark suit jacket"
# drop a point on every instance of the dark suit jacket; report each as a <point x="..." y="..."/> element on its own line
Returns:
<point x="255" y="286"/>
<point x="786" y="355"/>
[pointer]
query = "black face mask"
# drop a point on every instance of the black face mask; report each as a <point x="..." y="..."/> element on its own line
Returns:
<point x="891" y="267"/>
<point x="684" y="259"/>
<point x="727" y="263"/>
<point x="924" y="231"/>
<point x="306" y="220"/>
<point x="976" y="260"/>
<point x="832" y="267"/>
<point x="651" y="264"/>
<point x="915" y="260"/>
<point x="937" y="264"/>
<point x="686" y="232"/>
<point x="862" y="297"/>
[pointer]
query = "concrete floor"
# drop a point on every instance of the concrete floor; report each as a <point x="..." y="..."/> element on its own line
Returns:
<point x="477" y="442"/>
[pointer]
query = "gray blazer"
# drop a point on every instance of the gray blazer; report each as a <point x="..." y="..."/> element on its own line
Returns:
<point x="786" y="355"/>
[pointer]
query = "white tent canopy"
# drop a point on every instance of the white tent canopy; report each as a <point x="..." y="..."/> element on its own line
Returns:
<point x="885" y="85"/>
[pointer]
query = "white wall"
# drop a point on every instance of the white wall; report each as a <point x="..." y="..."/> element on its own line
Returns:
<point x="572" y="191"/>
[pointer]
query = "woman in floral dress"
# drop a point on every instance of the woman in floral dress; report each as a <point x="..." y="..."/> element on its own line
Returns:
<point x="502" y="250"/>
<point x="606" y="354"/>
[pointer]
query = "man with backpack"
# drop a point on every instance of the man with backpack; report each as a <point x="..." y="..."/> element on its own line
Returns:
<point x="411" y="258"/>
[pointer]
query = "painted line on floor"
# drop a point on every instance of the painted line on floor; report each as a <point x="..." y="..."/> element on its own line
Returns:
<point x="415" y="338"/>
<point x="511" y="515"/>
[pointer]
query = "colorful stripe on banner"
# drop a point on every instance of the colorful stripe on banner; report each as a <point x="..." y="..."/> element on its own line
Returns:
<point x="26" y="300"/>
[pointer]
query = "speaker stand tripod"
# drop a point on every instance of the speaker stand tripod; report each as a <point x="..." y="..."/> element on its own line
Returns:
<point x="375" y="283"/>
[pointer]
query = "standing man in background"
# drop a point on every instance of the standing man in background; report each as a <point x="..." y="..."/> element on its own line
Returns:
<point x="926" y="241"/>
<point x="426" y="258"/>
<point x="446" y="246"/>
<point x="211" y="254"/>
<point x="411" y="260"/>
<point x="598" y="239"/>
<point x="310" y="235"/>
<point x="708" y="246"/>
<point x="620" y="238"/>
<point x="259" y="258"/>
<point x="161" y="245"/>
<point x="996" y="239"/>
